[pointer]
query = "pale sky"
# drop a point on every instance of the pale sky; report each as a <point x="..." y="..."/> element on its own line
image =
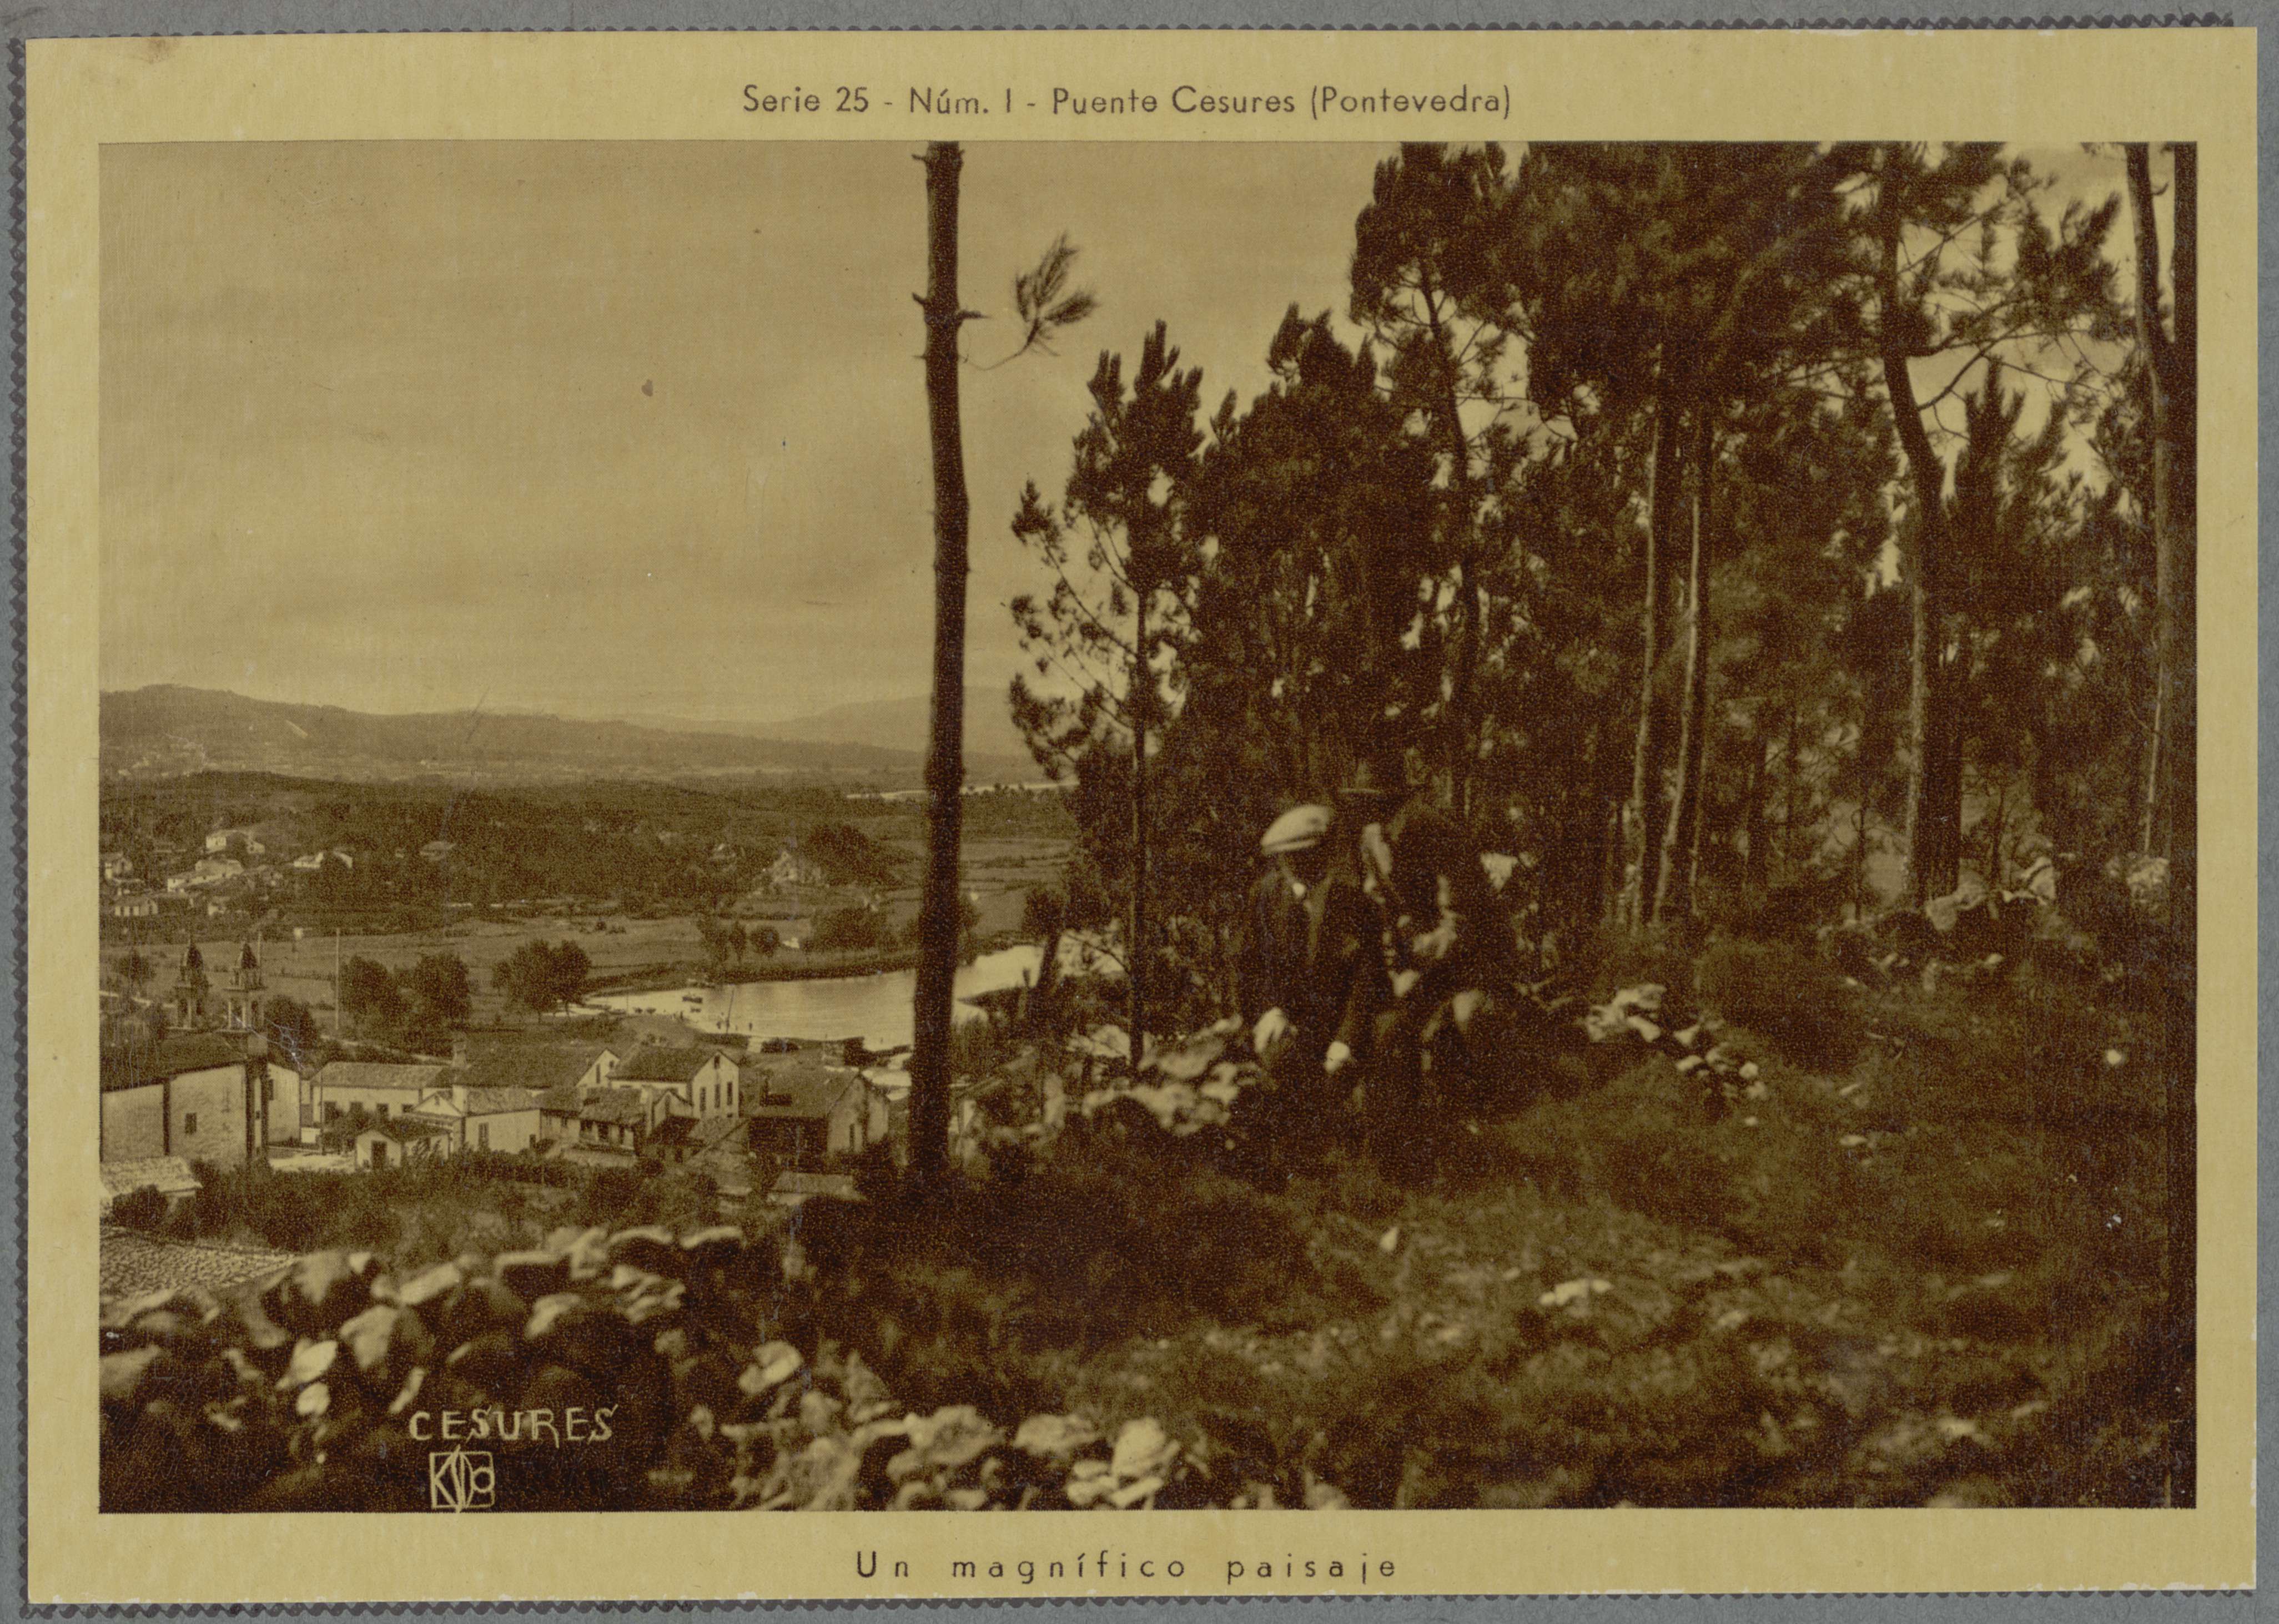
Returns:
<point x="622" y="429"/>
<point x="633" y="429"/>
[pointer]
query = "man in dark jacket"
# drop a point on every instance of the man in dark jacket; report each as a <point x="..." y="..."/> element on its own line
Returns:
<point x="1449" y="952"/>
<point x="1313" y="979"/>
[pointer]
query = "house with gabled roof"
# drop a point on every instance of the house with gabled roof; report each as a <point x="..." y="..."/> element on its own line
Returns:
<point x="805" y="1111"/>
<point x="501" y="1120"/>
<point x="702" y="1082"/>
<point x="397" y="1140"/>
<point x="379" y="1089"/>
<point x="210" y="1097"/>
<point x="622" y="1121"/>
<point x="538" y="1067"/>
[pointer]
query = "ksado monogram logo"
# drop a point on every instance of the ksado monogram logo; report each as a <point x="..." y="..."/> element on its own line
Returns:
<point x="462" y="1480"/>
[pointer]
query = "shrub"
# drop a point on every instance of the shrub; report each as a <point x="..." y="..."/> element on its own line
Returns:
<point x="1794" y="1001"/>
<point x="1612" y="959"/>
<point x="846" y="929"/>
<point x="141" y="1210"/>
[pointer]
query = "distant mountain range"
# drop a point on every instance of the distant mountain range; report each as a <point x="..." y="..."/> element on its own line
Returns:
<point x="164" y="730"/>
<point x="991" y="739"/>
<point x="903" y="724"/>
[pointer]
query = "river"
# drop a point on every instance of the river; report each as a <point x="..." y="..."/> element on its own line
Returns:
<point x="874" y="1007"/>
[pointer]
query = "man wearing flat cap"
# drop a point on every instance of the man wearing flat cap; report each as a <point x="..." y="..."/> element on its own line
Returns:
<point x="1312" y="975"/>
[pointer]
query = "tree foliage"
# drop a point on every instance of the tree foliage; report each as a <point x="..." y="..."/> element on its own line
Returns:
<point x="439" y="991"/>
<point x="542" y="977"/>
<point x="369" y="998"/>
<point x="1707" y="522"/>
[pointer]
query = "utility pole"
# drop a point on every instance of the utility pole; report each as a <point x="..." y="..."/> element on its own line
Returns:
<point x="938" y="917"/>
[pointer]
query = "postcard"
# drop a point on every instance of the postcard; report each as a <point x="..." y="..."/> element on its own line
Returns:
<point x="1450" y="783"/>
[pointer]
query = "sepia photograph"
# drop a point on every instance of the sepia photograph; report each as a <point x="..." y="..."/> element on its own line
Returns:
<point x="1146" y="826"/>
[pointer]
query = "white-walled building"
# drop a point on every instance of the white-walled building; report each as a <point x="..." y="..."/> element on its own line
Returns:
<point x="210" y="1097"/>
<point x="702" y="1082"/>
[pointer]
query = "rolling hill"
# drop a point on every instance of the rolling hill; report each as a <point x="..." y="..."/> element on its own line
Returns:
<point x="164" y="730"/>
<point x="901" y="724"/>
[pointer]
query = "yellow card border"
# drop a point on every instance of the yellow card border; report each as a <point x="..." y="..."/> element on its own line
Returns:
<point x="2027" y="86"/>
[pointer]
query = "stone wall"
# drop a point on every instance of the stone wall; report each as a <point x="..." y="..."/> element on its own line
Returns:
<point x="639" y="1370"/>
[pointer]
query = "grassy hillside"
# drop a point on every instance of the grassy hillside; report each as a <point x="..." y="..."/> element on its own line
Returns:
<point x="1928" y="1277"/>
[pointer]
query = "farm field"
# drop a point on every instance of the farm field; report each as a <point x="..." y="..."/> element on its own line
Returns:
<point x="627" y="951"/>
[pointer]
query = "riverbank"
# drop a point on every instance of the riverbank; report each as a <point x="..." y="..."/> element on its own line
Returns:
<point x="806" y="966"/>
<point x="874" y="1007"/>
<point x="799" y="967"/>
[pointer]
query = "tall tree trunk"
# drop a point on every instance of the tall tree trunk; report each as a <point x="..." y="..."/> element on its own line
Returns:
<point x="1135" y="969"/>
<point x="1788" y="792"/>
<point x="1641" y="850"/>
<point x="1859" y="857"/>
<point x="2148" y="824"/>
<point x="1458" y="744"/>
<point x="1945" y="785"/>
<point x="1673" y="891"/>
<point x="1756" y="828"/>
<point x="1998" y="829"/>
<point x="2168" y="364"/>
<point x="940" y="917"/>
<point x="2173" y="819"/>
<point x="1930" y="854"/>
<point x="1610" y="859"/>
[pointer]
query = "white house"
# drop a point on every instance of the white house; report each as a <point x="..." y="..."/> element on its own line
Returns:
<point x="503" y="1120"/>
<point x="383" y="1090"/>
<point x="702" y="1082"/>
<point x="537" y="1067"/>
<point x="791" y="868"/>
<point x="398" y="1140"/>
<point x="806" y="1112"/>
<point x="204" y="1096"/>
<point x="616" y="1120"/>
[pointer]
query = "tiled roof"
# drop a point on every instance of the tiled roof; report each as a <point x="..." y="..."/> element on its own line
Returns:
<point x="373" y="1074"/>
<point x="478" y="1102"/>
<point x="799" y="1091"/>
<point x="495" y="1102"/>
<point x="170" y="1058"/>
<point x="713" y="1131"/>
<point x="563" y="1100"/>
<point x="674" y="1130"/>
<point x="134" y="1263"/>
<point x="401" y="1129"/>
<point x="167" y="1175"/>
<point x="660" y="1062"/>
<point x="537" y="1067"/>
<point x="599" y="1155"/>
<point x="614" y="1105"/>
